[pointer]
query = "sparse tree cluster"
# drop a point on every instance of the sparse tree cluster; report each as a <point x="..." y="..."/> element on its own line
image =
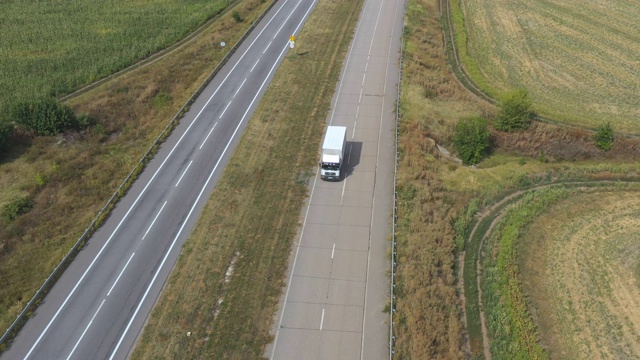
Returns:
<point x="472" y="135"/>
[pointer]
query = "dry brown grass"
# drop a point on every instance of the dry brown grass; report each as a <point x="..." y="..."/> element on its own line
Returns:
<point x="580" y="268"/>
<point x="81" y="171"/>
<point x="428" y="317"/>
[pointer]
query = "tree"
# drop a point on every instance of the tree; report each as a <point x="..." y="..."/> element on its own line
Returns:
<point x="47" y="116"/>
<point x="471" y="139"/>
<point x="604" y="137"/>
<point x="515" y="112"/>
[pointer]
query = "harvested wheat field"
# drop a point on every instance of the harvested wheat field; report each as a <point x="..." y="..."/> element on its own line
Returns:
<point x="580" y="267"/>
<point x="579" y="60"/>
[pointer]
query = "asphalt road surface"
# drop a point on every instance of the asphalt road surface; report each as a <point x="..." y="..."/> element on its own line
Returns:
<point x="99" y="306"/>
<point x="338" y="277"/>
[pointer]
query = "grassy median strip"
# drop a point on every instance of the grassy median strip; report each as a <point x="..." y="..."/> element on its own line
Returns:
<point x="220" y="300"/>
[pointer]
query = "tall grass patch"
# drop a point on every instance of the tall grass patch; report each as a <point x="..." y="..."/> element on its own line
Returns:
<point x="428" y="322"/>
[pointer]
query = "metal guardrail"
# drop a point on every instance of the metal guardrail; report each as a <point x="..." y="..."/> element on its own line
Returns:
<point x="392" y="308"/>
<point x="122" y="189"/>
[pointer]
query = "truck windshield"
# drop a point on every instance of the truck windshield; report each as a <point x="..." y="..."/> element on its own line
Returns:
<point x="330" y="166"/>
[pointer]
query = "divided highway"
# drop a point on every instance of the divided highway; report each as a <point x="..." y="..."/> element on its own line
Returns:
<point x="338" y="285"/>
<point x="99" y="306"/>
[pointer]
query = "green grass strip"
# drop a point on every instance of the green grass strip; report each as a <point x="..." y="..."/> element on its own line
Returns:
<point x="512" y="331"/>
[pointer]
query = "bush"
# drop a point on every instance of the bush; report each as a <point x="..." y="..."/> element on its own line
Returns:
<point x="604" y="137"/>
<point x="47" y="116"/>
<point x="6" y="130"/>
<point x="471" y="139"/>
<point x="16" y="207"/>
<point x="515" y="112"/>
<point x="237" y="17"/>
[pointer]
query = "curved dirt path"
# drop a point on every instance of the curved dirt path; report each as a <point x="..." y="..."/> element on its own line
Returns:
<point x="481" y="216"/>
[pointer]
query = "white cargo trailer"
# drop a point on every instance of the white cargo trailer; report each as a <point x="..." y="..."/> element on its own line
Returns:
<point x="333" y="152"/>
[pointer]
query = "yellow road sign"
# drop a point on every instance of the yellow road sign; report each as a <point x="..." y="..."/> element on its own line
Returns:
<point x="292" y="39"/>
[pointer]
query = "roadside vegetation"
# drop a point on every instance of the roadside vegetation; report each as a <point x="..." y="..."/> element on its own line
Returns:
<point x="512" y="332"/>
<point x="438" y="198"/>
<point x="214" y="305"/>
<point x="52" y="187"/>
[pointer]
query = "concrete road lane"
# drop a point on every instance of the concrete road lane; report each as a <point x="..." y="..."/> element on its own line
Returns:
<point x="338" y="283"/>
<point x="98" y="307"/>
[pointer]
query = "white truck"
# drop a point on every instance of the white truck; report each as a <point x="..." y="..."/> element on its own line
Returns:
<point x="333" y="152"/>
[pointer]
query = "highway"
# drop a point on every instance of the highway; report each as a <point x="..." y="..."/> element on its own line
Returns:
<point x="98" y="307"/>
<point x="337" y="288"/>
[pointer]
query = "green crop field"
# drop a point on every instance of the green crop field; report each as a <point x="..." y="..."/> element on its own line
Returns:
<point x="53" y="47"/>
<point x="577" y="59"/>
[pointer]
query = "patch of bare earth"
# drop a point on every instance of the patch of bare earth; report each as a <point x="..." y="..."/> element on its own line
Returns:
<point x="579" y="265"/>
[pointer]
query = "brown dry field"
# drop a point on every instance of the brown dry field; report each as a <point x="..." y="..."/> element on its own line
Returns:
<point x="580" y="264"/>
<point x="577" y="59"/>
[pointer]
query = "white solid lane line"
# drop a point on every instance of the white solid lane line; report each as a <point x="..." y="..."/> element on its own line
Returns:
<point x="384" y="91"/>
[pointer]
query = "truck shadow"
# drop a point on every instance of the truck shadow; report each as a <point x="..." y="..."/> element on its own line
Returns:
<point x="352" y="157"/>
